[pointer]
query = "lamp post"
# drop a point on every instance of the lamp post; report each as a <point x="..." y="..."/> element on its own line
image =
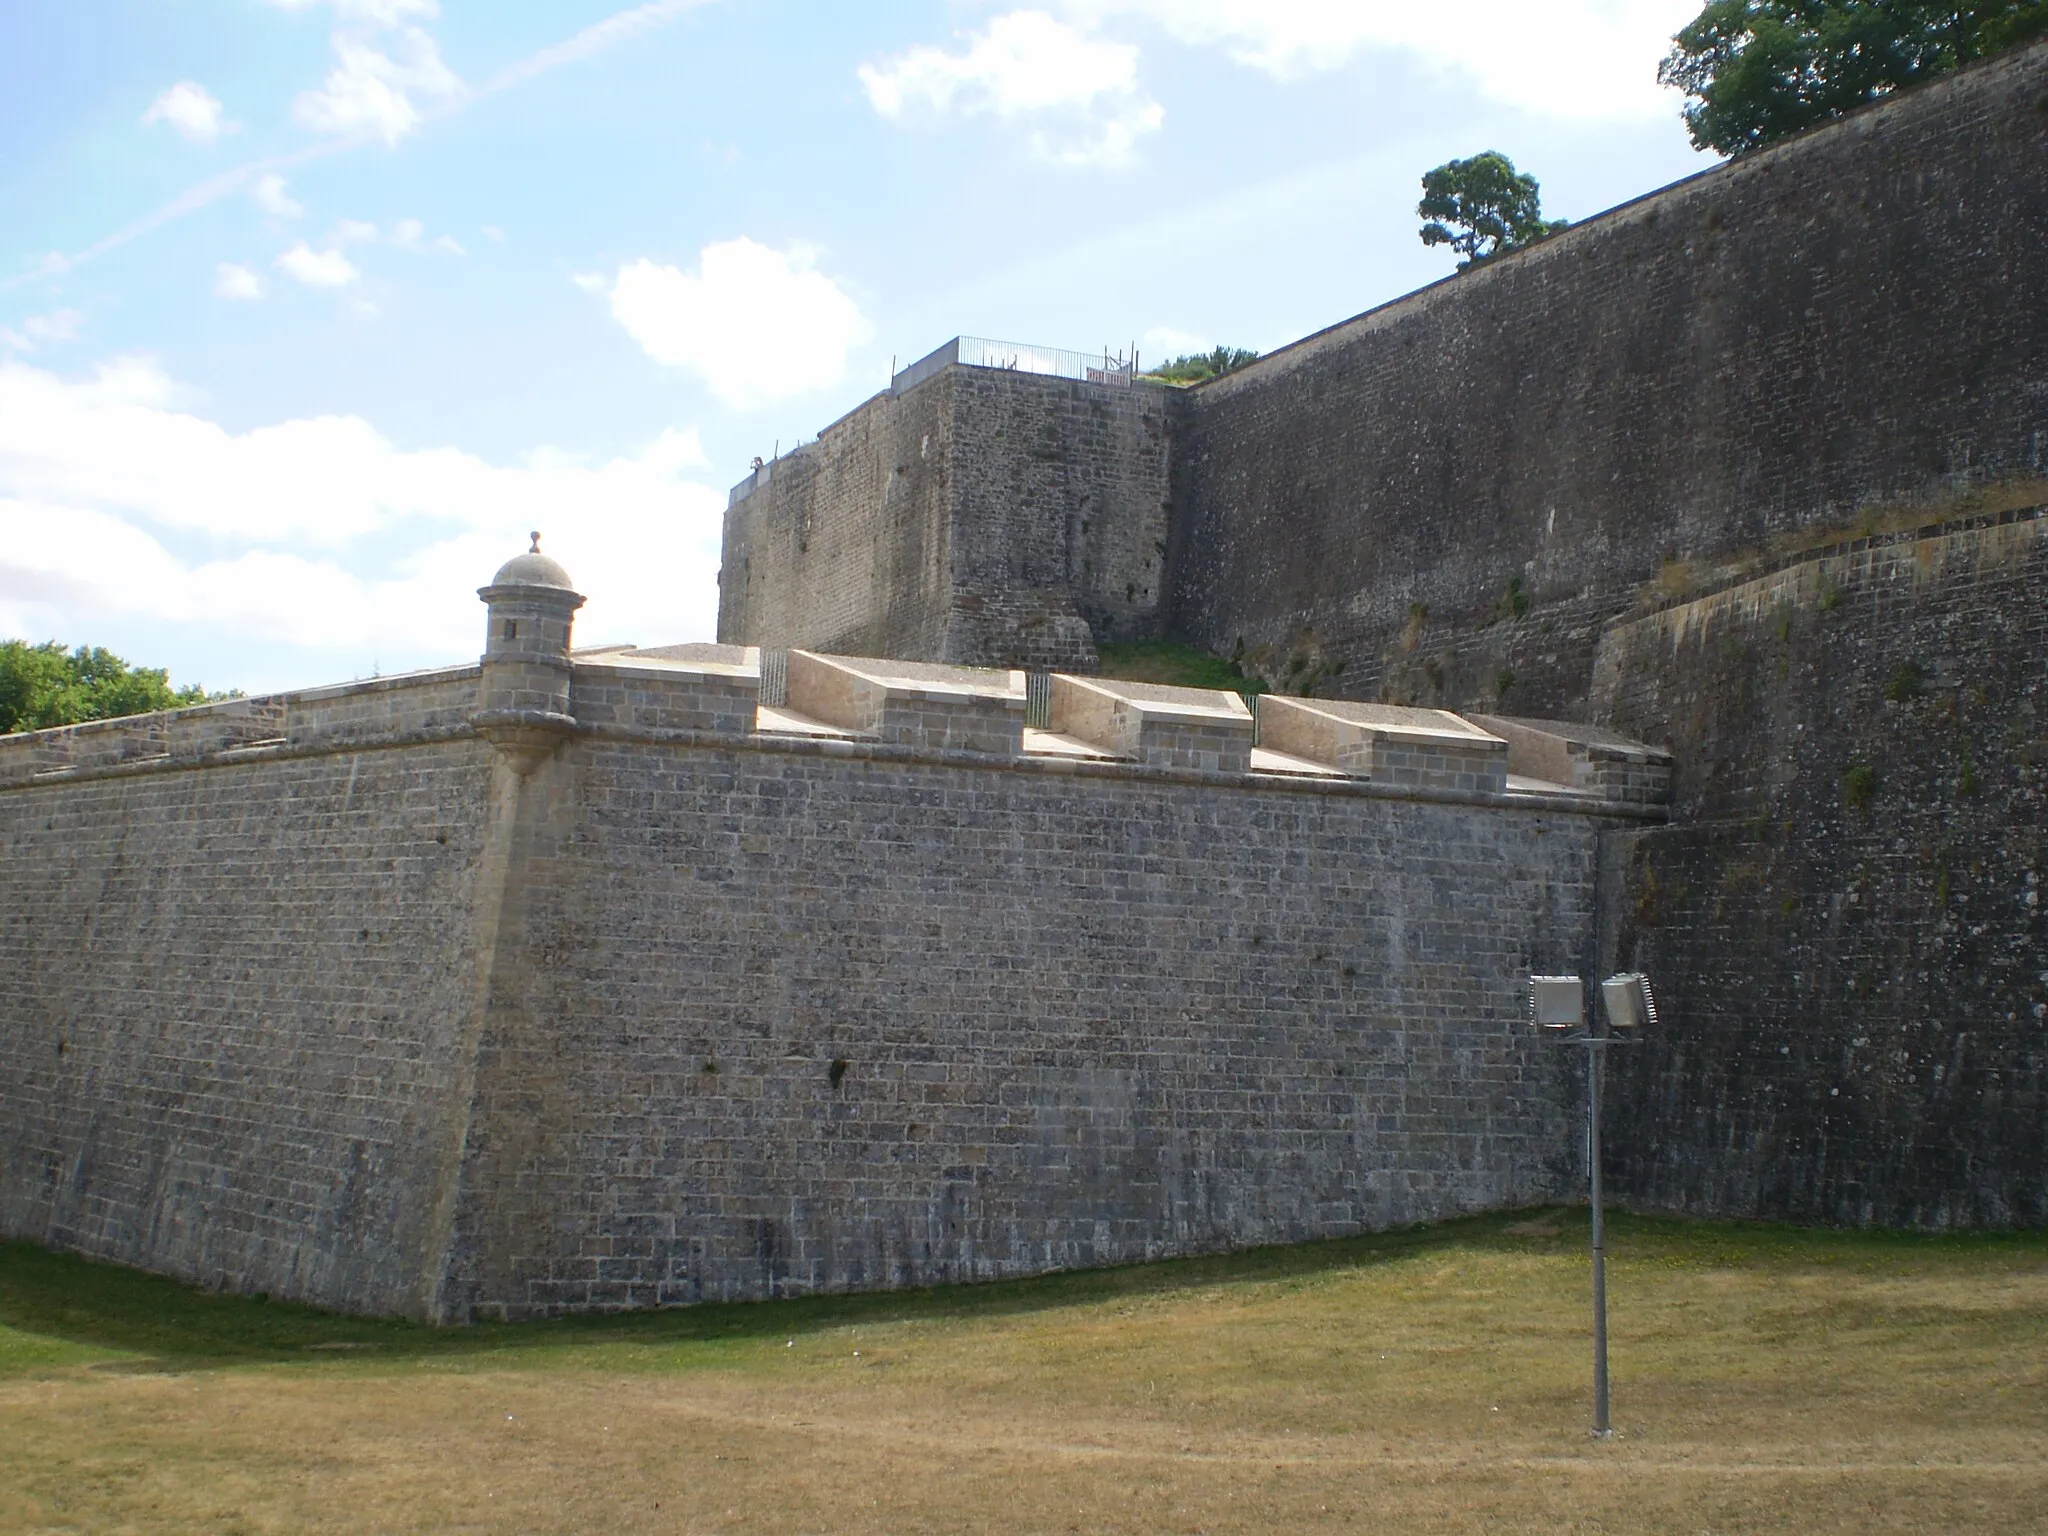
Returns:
<point x="1557" y="1008"/>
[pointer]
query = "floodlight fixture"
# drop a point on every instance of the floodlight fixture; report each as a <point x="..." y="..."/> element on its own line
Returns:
<point x="1628" y="1001"/>
<point x="1557" y="1005"/>
<point x="1557" y="1002"/>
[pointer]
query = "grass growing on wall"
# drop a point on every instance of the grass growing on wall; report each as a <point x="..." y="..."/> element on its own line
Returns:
<point x="1176" y="665"/>
<point x="1424" y="1381"/>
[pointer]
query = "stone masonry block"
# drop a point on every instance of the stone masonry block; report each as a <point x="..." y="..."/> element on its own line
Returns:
<point x="1201" y="728"/>
<point x="913" y="704"/>
<point x="1388" y="744"/>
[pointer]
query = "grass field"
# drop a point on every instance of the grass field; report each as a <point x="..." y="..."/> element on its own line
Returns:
<point x="1765" y="1380"/>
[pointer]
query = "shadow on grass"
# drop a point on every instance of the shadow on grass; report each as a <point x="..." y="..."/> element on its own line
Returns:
<point x="172" y="1325"/>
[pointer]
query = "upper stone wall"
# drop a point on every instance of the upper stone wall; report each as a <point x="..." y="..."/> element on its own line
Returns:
<point x="1452" y="494"/>
<point x="983" y="516"/>
<point x="844" y="545"/>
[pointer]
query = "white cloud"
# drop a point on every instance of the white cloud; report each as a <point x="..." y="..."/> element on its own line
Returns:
<point x="352" y="232"/>
<point x="192" y="111"/>
<point x="411" y="235"/>
<point x="494" y="234"/>
<point x="320" y="532"/>
<point x="38" y="331"/>
<point x="1078" y="93"/>
<point x="273" y="198"/>
<point x="1566" y="58"/>
<point x="756" y="324"/>
<point x="317" y="269"/>
<point x="371" y="93"/>
<point x="235" y="282"/>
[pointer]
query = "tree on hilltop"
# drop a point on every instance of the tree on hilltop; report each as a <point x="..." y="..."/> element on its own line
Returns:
<point x="1482" y="208"/>
<point x="1194" y="367"/>
<point x="1756" y="71"/>
<point x="45" y="685"/>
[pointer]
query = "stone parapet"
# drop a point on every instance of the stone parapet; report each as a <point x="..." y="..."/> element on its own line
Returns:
<point x="1583" y="758"/>
<point x="382" y="709"/>
<point x="1207" y="729"/>
<point x="654" y="690"/>
<point x="926" y="706"/>
<point x="1386" y="743"/>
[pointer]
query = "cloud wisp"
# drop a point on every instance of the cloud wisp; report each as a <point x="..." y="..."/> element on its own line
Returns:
<point x="317" y="269"/>
<point x="191" y="111"/>
<point x="622" y="26"/>
<point x="1577" y="59"/>
<point x="754" y="323"/>
<point x="1075" y="95"/>
<point x="233" y="281"/>
<point x="107" y="487"/>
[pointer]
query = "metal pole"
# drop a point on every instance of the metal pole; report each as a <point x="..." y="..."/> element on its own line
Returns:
<point x="1594" y="1058"/>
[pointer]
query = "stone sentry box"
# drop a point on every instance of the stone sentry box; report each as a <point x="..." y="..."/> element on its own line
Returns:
<point x="1388" y="744"/>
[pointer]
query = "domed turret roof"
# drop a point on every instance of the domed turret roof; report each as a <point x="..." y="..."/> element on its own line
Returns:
<point x="532" y="569"/>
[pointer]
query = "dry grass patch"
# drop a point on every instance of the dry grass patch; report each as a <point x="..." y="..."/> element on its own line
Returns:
<point x="1430" y="1381"/>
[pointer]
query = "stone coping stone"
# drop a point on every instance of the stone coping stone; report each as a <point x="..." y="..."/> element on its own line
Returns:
<point x="927" y="677"/>
<point x="1207" y="729"/>
<point x="1597" y="740"/>
<point x="1587" y="759"/>
<point x="1052" y="744"/>
<point x="1356" y="738"/>
<point x="917" y="704"/>
<point x="703" y="655"/>
<point x="773" y="721"/>
<point x="732" y="673"/>
<point x="1211" y="703"/>
<point x="385" y="684"/>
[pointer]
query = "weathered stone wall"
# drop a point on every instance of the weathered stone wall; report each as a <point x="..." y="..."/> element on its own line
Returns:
<point x="984" y="516"/>
<point x="1060" y="511"/>
<point x="805" y="1017"/>
<point x="1451" y="495"/>
<point x="845" y="545"/>
<point x="232" y="1026"/>
<point x="1846" y="923"/>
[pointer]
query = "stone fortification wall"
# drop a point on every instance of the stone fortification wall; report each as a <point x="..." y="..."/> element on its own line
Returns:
<point x="846" y="544"/>
<point x="983" y="516"/>
<point x="1451" y="495"/>
<point x="1846" y="921"/>
<point x="1060" y="513"/>
<point x="234" y="1020"/>
<point x="792" y="1016"/>
<point x="392" y="999"/>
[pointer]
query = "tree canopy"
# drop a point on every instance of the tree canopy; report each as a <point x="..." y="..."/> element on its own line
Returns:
<point x="45" y="685"/>
<point x="1755" y="71"/>
<point x="1482" y="208"/>
<point x="1194" y="367"/>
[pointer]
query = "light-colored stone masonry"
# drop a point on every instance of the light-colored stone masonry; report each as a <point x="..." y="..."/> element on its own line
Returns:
<point x="387" y="1000"/>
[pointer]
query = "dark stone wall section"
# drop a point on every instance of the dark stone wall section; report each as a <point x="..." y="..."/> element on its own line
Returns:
<point x="1847" y="923"/>
<point x="1449" y="494"/>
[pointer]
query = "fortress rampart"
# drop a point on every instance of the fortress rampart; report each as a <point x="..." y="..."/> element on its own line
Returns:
<point x="1751" y="468"/>
<point x="565" y="981"/>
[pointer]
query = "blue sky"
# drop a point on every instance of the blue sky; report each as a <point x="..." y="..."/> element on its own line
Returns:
<point x="309" y="309"/>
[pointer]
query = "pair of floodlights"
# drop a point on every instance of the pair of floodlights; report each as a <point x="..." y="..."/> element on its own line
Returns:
<point x="1559" y="1002"/>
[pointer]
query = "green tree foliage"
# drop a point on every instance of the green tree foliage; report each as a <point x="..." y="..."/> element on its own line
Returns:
<point x="1755" y="71"/>
<point x="45" y="685"/>
<point x="1483" y="207"/>
<point x="1197" y="366"/>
